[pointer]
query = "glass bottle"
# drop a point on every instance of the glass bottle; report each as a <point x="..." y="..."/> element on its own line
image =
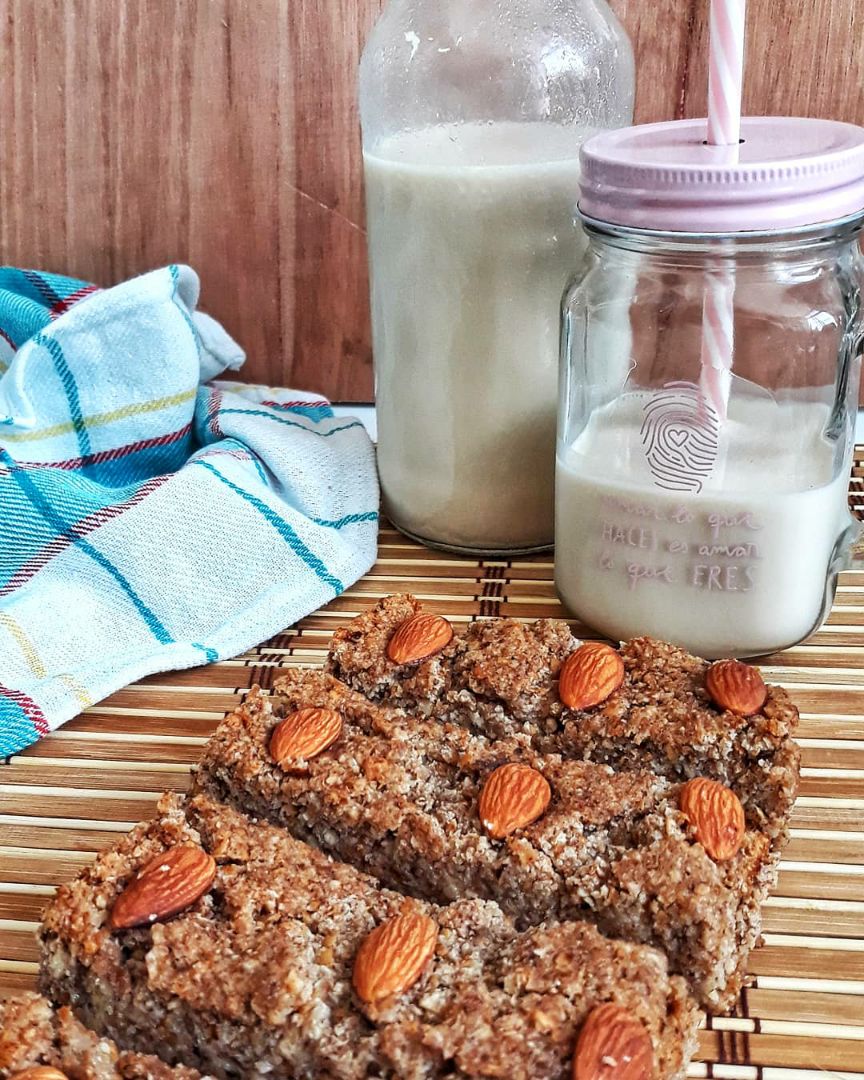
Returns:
<point x="702" y="493"/>
<point x="473" y="114"/>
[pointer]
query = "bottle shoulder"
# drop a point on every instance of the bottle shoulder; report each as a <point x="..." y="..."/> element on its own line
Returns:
<point x="455" y="61"/>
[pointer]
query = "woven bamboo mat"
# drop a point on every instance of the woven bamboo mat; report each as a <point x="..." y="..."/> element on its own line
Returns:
<point x="802" y="1017"/>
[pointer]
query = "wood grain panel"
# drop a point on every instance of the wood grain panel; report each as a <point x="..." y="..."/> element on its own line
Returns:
<point x="802" y="59"/>
<point x="224" y="133"/>
<point x="221" y="133"/>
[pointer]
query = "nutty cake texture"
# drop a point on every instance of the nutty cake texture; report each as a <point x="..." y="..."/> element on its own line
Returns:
<point x="259" y="976"/>
<point x="33" y="1033"/>
<point x="403" y="799"/>
<point x="500" y="678"/>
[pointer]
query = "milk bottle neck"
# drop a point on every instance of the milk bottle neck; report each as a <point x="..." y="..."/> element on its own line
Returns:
<point x="430" y="63"/>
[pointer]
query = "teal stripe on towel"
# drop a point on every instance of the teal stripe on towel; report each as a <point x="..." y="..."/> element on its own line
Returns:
<point x="70" y="389"/>
<point x="56" y="522"/>
<point x="282" y="527"/>
<point x="290" y="423"/>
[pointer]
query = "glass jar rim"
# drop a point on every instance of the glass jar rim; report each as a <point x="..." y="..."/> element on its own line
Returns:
<point x="851" y="224"/>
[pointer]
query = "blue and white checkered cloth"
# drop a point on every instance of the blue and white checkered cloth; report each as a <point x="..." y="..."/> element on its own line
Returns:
<point x="150" y="517"/>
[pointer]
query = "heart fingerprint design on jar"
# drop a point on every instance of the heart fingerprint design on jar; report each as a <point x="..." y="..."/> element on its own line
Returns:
<point x="680" y="437"/>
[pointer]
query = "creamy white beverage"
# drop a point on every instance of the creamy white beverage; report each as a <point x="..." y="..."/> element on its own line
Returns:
<point x="472" y="241"/>
<point x="719" y="548"/>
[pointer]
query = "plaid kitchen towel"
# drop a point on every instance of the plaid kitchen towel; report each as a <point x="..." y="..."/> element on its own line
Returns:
<point x="150" y="517"/>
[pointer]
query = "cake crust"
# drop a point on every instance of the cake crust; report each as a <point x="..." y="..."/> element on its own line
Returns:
<point x="35" y="1033"/>
<point x="255" y="978"/>
<point x="499" y="678"/>
<point x="399" y="797"/>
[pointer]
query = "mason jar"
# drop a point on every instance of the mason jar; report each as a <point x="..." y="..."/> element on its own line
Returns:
<point x="710" y="374"/>
<point x="473" y="114"/>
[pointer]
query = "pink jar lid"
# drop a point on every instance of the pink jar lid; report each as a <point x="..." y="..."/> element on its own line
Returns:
<point x="789" y="173"/>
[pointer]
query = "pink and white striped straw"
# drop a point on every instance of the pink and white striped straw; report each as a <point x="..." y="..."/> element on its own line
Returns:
<point x="725" y="86"/>
<point x="718" y="340"/>
<point x="726" y="72"/>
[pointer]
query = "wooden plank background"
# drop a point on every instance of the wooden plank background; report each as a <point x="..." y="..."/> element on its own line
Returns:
<point x="224" y="133"/>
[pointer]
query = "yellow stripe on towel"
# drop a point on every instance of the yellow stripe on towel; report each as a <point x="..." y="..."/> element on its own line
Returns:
<point x="28" y="651"/>
<point x="100" y="419"/>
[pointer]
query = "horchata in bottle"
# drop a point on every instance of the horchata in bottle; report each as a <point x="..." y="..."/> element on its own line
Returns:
<point x="473" y="115"/>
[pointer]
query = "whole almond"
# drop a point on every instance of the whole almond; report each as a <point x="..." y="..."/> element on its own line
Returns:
<point x="590" y="675"/>
<point x="512" y="797"/>
<point x="302" y="736"/>
<point x="418" y="638"/>
<point x="716" y="814"/>
<point x="392" y="957"/>
<point x="737" y="687"/>
<point x="39" y="1072"/>
<point x="165" y="886"/>
<point x="613" y="1045"/>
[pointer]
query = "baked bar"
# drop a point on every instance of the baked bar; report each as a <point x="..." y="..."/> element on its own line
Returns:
<point x="34" y="1033"/>
<point x="500" y="678"/>
<point x="254" y="977"/>
<point x="405" y="800"/>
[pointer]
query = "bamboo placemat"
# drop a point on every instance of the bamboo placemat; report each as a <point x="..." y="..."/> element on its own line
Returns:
<point x="803" y="1016"/>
